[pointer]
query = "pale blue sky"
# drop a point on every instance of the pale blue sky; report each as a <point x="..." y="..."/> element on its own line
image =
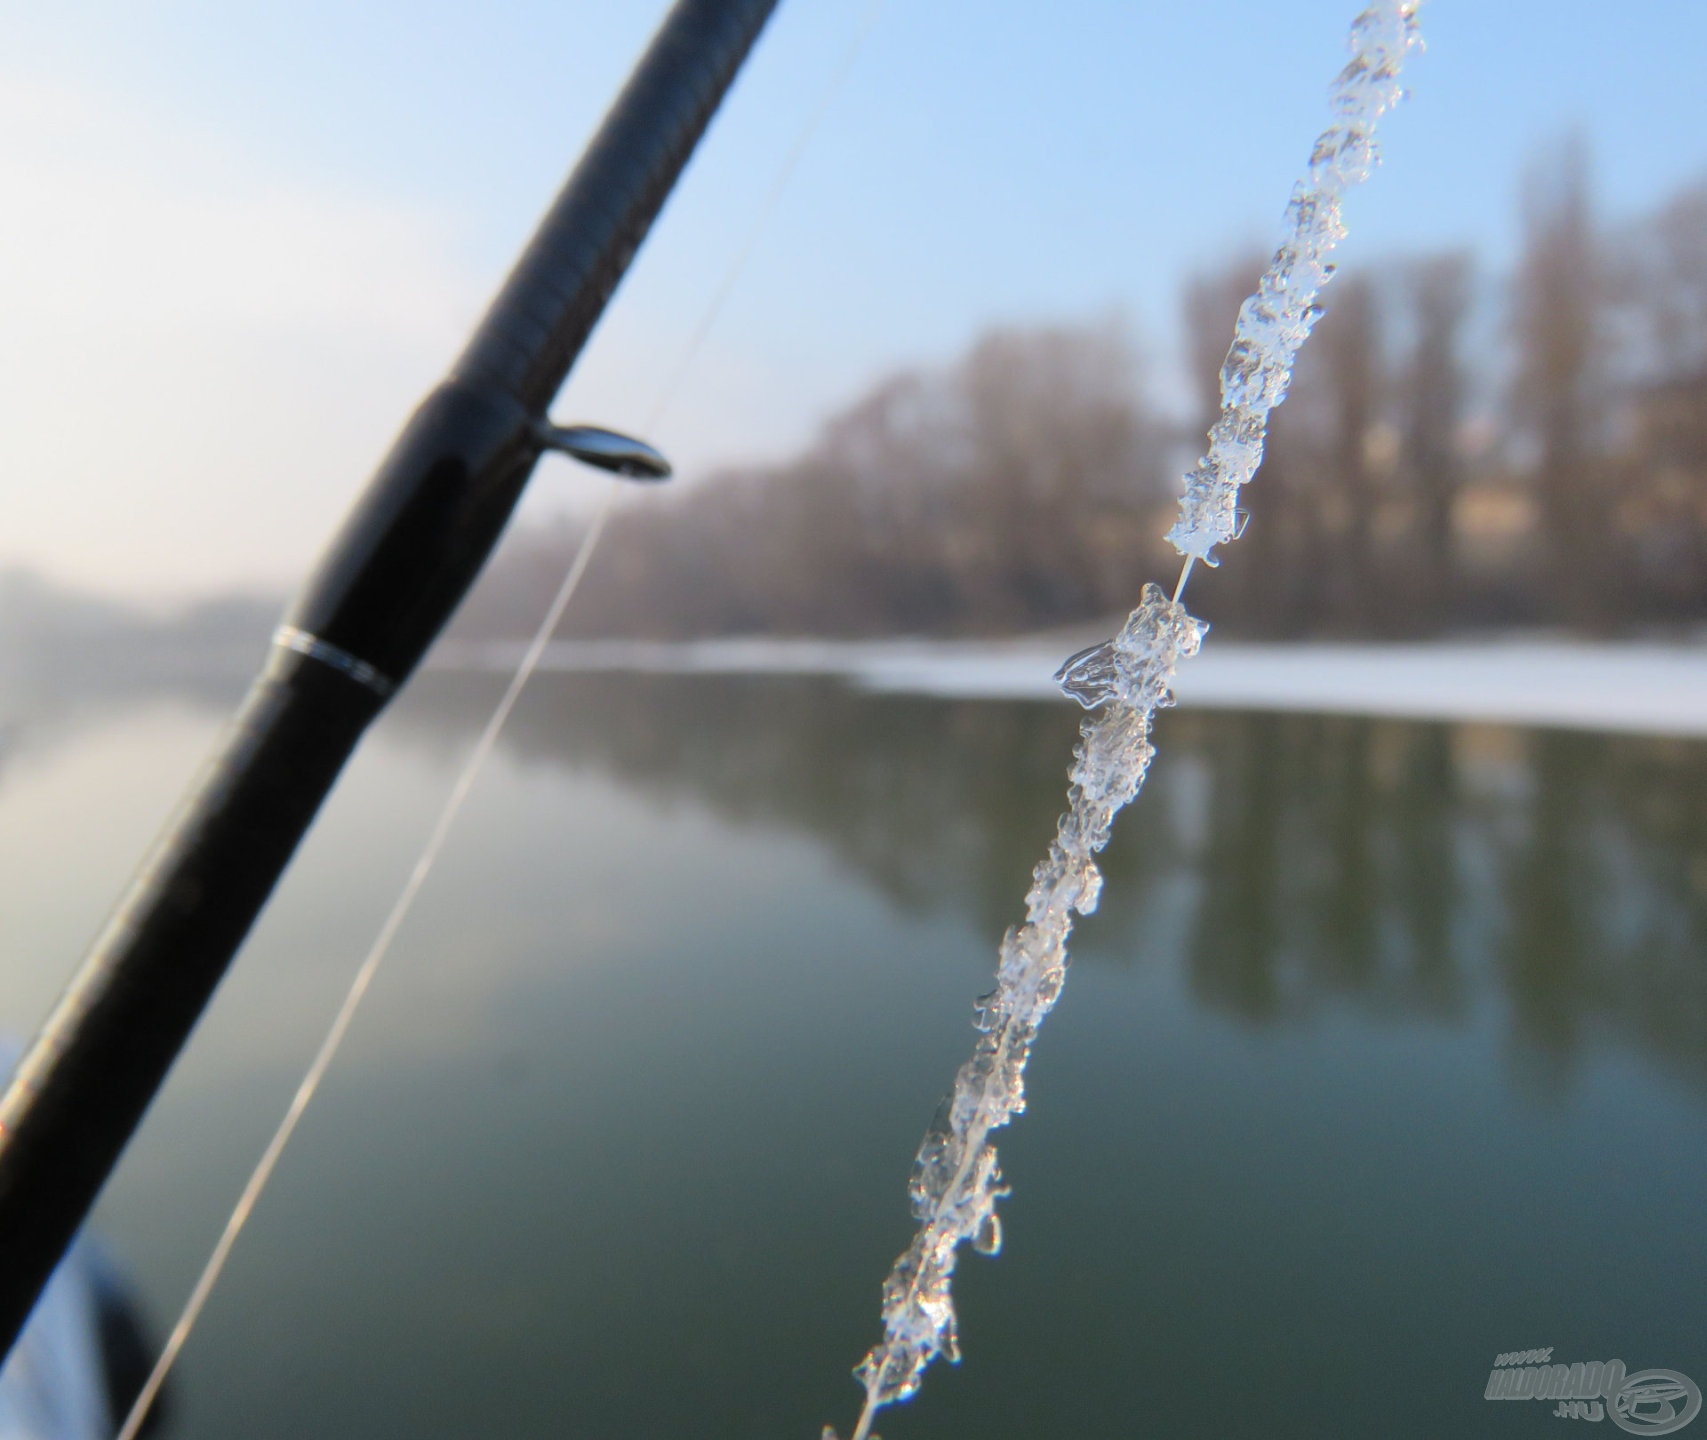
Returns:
<point x="242" y="237"/>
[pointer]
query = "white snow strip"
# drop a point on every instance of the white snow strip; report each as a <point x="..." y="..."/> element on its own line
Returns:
<point x="1640" y="688"/>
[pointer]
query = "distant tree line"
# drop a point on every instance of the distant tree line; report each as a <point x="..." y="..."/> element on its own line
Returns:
<point x="54" y="636"/>
<point x="1457" y="451"/>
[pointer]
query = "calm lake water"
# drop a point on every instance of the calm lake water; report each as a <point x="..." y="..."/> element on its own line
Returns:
<point x="1387" y="1053"/>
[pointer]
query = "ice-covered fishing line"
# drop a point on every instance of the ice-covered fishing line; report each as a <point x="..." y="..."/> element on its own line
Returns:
<point x="956" y="1181"/>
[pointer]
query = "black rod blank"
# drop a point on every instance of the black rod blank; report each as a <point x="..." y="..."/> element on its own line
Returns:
<point x="391" y="578"/>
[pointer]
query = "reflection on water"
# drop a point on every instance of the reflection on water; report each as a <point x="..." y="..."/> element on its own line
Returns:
<point x="1407" y="869"/>
<point x="1385" y="1054"/>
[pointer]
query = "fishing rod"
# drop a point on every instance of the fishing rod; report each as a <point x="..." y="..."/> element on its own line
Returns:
<point x="391" y="578"/>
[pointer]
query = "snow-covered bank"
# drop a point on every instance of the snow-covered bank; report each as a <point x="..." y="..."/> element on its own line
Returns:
<point x="1646" y="688"/>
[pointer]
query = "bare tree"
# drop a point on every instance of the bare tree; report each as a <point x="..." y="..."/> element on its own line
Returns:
<point x="1350" y="366"/>
<point x="1439" y="292"/>
<point x="1023" y="485"/>
<point x="1016" y="488"/>
<point x="1558" y="400"/>
<point x="1667" y="516"/>
<point x="1676" y="287"/>
<point x="1059" y="452"/>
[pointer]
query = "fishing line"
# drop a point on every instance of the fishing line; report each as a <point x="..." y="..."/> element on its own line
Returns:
<point x="956" y="1181"/>
<point x="477" y="758"/>
<point x="767" y="207"/>
<point x="316" y="1072"/>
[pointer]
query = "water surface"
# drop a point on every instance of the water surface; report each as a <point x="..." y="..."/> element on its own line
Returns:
<point x="1388" y="1052"/>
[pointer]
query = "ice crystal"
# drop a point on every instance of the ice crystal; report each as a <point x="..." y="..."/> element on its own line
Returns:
<point x="956" y="1181"/>
<point x="1274" y="322"/>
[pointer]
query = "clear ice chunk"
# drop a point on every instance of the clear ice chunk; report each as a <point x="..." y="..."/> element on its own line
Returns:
<point x="1091" y="677"/>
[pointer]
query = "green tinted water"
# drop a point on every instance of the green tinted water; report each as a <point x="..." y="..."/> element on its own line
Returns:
<point x="1387" y="1053"/>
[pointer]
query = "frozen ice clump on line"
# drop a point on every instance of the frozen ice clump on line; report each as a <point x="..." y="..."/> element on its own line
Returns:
<point x="1137" y="666"/>
<point x="1274" y="322"/>
<point x="956" y="1181"/>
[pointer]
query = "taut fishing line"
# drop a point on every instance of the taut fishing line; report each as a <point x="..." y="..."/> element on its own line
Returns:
<point x="483" y="747"/>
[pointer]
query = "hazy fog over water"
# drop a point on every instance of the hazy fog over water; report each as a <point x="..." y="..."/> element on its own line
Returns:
<point x="243" y="243"/>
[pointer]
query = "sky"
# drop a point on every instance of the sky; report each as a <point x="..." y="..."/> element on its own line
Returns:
<point x="237" y="242"/>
